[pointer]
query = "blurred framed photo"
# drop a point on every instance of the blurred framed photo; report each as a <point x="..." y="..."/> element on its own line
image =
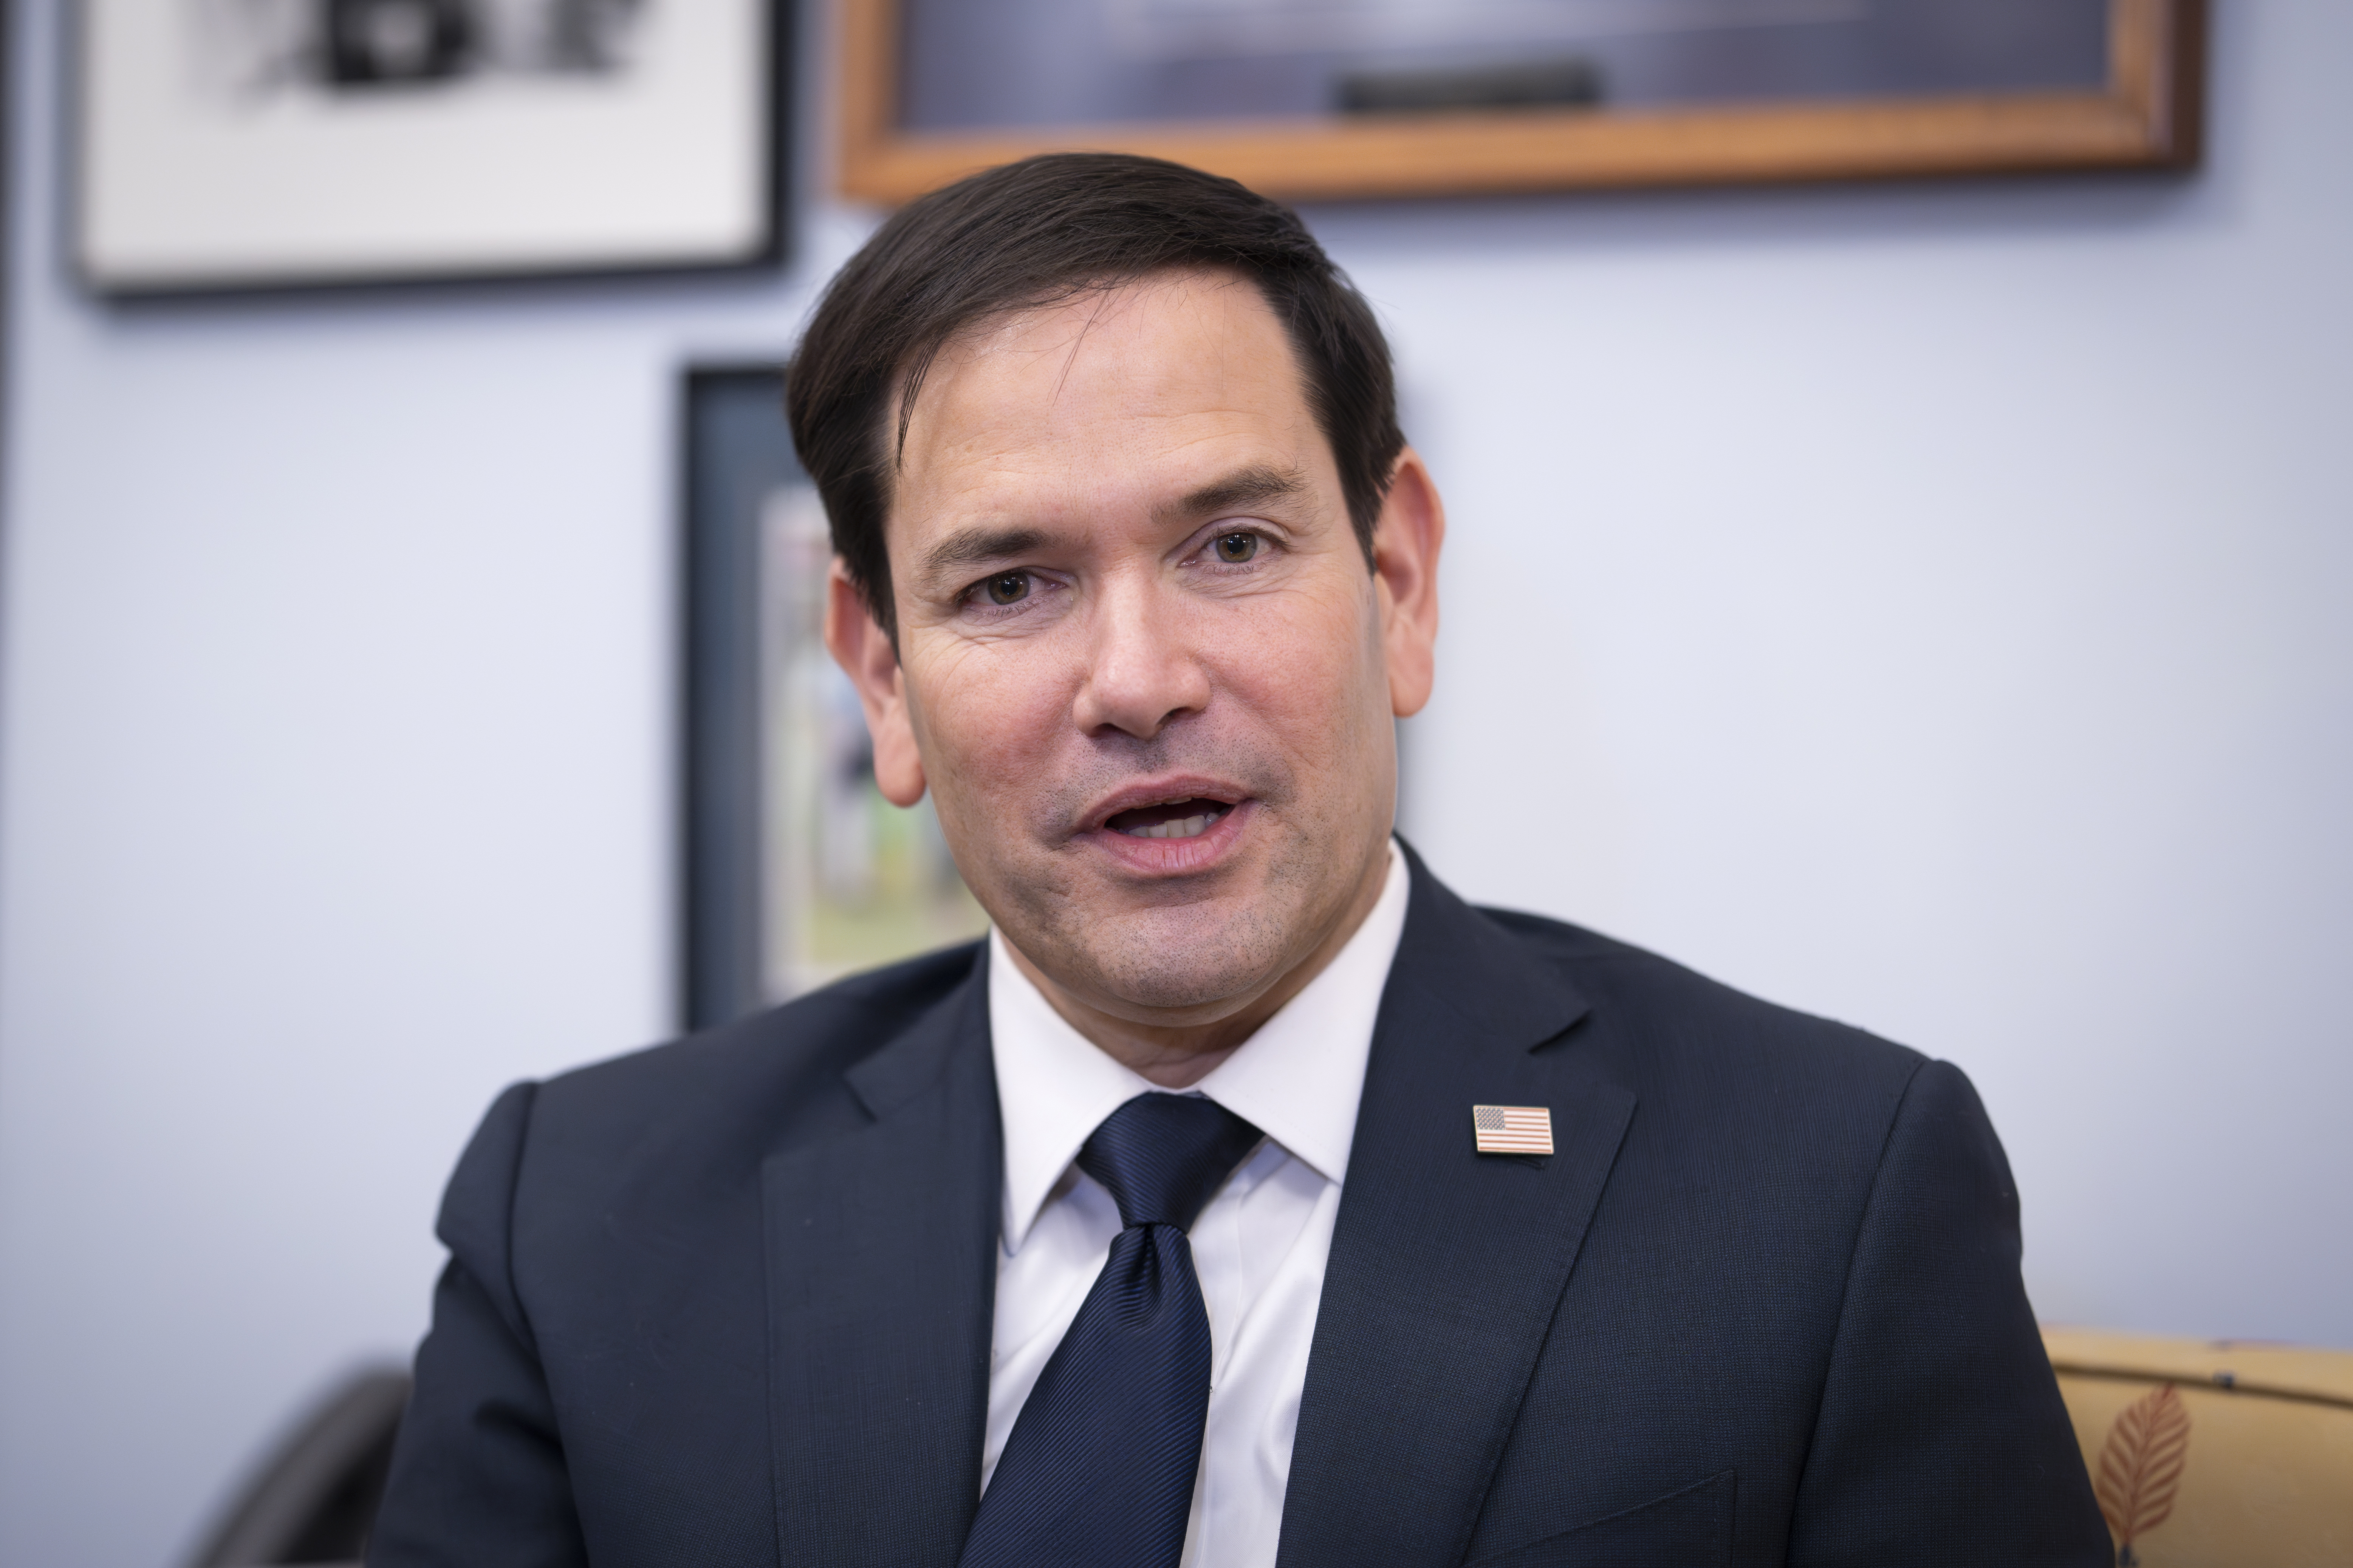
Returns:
<point x="796" y="870"/>
<point x="1337" y="98"/>
<point x="265" y="144"/>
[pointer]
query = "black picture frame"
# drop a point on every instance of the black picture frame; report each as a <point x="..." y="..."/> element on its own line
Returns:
<point x="736" y="450"/>
<point x="767" y="244"/>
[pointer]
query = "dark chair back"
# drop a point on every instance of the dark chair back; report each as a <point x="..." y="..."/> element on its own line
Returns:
<point x="314" y="1500"/>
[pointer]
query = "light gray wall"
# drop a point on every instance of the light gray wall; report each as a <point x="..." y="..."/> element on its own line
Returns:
<point x="1928" y="607"/>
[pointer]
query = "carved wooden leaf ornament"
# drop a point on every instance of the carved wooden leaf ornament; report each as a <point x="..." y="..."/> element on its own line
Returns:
<point x="2140" y="1468"/>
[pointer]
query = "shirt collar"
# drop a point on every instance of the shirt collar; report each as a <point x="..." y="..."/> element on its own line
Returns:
<point x="1298" y="1079"/>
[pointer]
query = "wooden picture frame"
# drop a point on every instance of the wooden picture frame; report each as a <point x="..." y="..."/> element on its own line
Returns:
<point x="2147" y="115"/>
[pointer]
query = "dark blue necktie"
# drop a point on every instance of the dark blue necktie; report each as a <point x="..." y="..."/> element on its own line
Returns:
<point x="1099" y="1470"/>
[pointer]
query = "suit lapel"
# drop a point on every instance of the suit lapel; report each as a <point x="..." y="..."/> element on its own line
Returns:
<point x="881" y="1276"/>
<point x="1446" y="1264"/>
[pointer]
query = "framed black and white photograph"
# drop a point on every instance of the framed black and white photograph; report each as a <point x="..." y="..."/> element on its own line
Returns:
<point x="796" y="871"/>
<point x="262" y="143"/>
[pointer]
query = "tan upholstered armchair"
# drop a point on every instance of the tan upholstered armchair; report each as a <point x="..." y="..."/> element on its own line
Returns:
<point x="2213" y="1453"/>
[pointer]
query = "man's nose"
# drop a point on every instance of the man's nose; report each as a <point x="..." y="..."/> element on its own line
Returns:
<point x="1142" y="671"/>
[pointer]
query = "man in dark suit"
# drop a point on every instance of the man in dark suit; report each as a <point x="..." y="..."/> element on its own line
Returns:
<point x="1246" y="1198"/>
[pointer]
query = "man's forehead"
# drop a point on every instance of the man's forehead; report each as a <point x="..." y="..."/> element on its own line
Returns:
<point x="1184" y="346"/>
<point x="1179" y="396"/>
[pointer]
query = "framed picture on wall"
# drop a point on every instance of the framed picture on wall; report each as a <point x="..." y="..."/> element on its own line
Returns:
<point x="796" y="871"/>
<point x="1335" y="99"/>
<point x="229" y="144"/>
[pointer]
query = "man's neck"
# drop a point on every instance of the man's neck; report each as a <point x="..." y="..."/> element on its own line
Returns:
<point x="1179" y="1056"/>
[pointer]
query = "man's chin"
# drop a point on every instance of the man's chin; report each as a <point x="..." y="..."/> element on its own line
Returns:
<point x="1171" y="968"/>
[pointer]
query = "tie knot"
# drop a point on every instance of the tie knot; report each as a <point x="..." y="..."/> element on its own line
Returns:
<point x="1161" y="1156"/>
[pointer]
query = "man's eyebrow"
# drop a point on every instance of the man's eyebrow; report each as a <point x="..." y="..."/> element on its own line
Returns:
<point x="1242" y="488"/>
<point x="969" y="546"/>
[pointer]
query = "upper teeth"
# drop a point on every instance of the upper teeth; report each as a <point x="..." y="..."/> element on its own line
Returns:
<point x="1181" y="828"/>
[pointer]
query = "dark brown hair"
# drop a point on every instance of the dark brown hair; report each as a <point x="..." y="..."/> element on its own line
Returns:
<point x="1043" y="230"/>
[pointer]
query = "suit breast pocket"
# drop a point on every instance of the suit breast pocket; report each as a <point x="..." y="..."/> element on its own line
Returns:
<point x="1685" y="1529"/>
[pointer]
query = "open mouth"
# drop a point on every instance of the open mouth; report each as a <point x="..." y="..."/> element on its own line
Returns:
<point x="1170" y="819"/>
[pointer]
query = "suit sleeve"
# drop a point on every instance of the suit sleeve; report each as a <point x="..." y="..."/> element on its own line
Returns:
<point x="478" y="1473"/>
<point x="1941" y="1436"/>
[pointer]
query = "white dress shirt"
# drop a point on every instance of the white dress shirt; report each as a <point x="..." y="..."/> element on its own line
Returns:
<point x="1259" y="1247"/>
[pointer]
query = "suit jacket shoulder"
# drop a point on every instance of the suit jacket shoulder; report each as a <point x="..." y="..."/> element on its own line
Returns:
<point x="1688" y="1027"/>
<point x="1721" y="1074"/>
<point x="781" y="1074"/>
<point x="598" y="1381"/>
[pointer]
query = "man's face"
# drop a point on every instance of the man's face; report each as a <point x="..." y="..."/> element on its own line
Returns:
<point x="1141" y="664"/>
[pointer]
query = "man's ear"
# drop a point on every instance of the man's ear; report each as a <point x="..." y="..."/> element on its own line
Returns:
<point x="864" y="650"/>
<point x="1406" y="542"/>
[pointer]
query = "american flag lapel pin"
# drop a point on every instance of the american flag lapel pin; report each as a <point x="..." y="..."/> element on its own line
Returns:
<point x="1512" y="1129"/>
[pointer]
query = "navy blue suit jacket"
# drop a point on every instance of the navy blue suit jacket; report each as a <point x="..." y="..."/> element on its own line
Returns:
<point x="728" y="1301"/>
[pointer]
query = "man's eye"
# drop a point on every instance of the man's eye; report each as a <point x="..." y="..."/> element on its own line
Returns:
<point x="1008" y="587"/>
<point x="1237" y="548"/>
